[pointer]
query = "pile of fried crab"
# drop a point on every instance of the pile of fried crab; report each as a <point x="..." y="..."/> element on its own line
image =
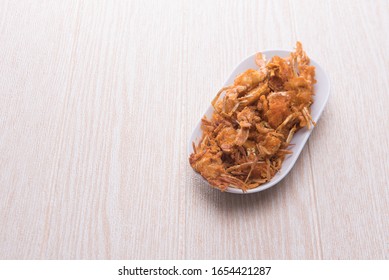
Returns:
<point x="245" y="142"/>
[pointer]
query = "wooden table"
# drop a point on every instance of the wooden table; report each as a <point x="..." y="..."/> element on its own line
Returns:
<point x="97" y="103"/>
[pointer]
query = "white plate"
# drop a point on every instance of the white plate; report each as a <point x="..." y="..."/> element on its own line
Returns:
<point x="322" y="92"/>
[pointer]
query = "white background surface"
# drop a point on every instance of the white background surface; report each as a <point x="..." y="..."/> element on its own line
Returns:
<point x="98" y="100"/>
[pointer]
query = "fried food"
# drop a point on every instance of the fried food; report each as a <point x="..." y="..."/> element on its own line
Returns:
<point x="245" y="142"/>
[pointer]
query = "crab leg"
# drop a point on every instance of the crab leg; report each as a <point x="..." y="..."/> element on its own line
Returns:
<point x="290" y="135"/>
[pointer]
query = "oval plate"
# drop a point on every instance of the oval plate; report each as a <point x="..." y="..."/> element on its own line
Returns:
<point x="322" y="92"/>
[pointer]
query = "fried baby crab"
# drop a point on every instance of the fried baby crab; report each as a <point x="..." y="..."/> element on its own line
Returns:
<point x="245" y="142"/>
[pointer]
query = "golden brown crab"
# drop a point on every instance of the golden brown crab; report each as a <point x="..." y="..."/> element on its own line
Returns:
<point x="246" y="140"/>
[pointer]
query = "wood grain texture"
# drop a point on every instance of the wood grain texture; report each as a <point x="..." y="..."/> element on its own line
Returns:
<point x="97" y="103"/>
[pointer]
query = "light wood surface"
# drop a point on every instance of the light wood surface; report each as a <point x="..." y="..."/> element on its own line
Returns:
<point x="97" y="103"/>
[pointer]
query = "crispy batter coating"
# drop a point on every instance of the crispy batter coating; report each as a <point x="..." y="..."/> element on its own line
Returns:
<point x="246" y="140"/>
